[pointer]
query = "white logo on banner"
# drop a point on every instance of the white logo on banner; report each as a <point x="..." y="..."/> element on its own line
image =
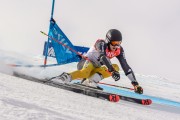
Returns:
<point x="62" y="39"/>
<point x="51" y="52"/>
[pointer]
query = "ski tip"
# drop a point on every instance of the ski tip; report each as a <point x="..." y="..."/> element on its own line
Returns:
<point x="146" y="101"/>
<point x="114" y="98"/>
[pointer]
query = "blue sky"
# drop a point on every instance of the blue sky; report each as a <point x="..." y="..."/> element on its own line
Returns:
<point x="150" y="28"/>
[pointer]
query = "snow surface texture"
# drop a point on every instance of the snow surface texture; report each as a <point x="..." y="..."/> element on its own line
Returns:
<point x="22" y="99"/>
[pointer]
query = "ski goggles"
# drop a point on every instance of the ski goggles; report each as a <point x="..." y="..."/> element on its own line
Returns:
<point x="115" y="43"/>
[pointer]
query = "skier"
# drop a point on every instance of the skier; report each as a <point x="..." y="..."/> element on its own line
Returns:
<point x="98" y="66"/>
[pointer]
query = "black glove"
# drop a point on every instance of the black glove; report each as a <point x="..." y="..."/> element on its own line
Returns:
<point x="116" y="75"/>
<point x="137" y="89"/>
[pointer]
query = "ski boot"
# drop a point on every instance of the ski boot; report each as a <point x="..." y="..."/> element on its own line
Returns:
<point x="93" y="81"/>
<point x="65" y="77"/>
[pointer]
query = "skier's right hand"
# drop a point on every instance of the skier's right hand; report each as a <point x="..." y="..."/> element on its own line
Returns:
<point x="138" y="89"/>
<point x="115" y="75"/>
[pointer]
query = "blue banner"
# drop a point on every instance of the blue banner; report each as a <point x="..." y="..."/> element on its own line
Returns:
<point x="62" y="54"/>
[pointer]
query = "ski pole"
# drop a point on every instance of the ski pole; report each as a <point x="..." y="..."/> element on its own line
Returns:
<point x="116" y="86"/>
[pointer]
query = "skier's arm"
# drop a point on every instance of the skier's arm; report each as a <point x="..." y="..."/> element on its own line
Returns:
<point x="100" y="46"/>
<point x="127" y="69"/>
<point x="129" y="73"/>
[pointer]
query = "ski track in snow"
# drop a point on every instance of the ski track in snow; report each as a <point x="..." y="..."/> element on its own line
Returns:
<point x="22" y="99"/>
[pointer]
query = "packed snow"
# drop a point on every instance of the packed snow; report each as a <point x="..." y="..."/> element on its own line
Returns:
<point x="23" y="100"/>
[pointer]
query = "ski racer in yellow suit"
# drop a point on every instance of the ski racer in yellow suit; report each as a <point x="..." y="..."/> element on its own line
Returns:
<point x="98" y="66"/>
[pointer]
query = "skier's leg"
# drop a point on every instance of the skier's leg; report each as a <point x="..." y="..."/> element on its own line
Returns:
<point x="83" y="73"/>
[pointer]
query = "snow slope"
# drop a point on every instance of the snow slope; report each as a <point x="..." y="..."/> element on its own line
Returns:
<point x="22" y="99"/>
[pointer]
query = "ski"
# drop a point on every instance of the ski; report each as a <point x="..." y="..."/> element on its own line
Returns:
<point x="115" y="96"/>
<point x="90" y="91"/>
<point x="93" y="92"/>
<point x="136" y="100"/>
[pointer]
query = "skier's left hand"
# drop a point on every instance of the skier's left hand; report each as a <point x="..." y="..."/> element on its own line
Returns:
<point x="115" y="75"/>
